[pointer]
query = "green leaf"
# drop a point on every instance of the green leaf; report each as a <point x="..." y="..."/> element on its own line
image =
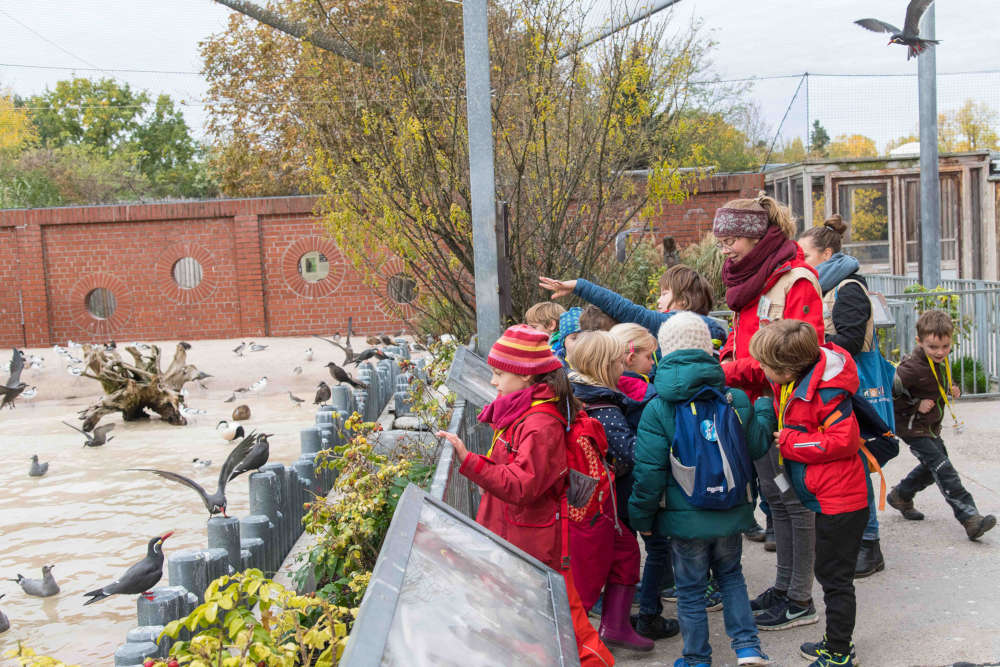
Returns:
<point x="211" y="612"/>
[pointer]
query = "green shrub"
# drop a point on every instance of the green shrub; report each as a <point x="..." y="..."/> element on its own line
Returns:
<point x="970" y="375"/>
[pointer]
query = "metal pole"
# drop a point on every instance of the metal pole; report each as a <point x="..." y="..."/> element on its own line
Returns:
<point x="481" y="179"/>
<point x="930" y="194"/>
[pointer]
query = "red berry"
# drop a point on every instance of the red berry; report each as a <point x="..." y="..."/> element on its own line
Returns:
<point x="149" y="662"/>
<point x="173" y="663"/>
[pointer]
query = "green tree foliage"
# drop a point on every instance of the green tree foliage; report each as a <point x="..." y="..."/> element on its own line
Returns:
<point x="386" y="145"/>
<point x="973" y="126"/>
<point x="869" y="218"/>
<point x="714" y="139"/>
<point x="852" y="145"/>
<point x="818" y="139"/>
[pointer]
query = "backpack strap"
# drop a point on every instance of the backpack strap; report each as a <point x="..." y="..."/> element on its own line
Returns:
<point x="873" y="465"/>
<point x="830" y="298"/>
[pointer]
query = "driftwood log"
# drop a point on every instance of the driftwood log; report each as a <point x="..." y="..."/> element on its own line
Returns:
<point x="137" y="387"/>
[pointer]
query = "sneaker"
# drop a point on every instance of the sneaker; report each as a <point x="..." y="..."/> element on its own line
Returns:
<point x="813" y="650"/>
<point x="669" y="594"/>
<point x="751" y="655"/>
<point x="786" y="614"/>
<point x="830" y="659"/>
<point x="905" y="507"/>
<point x="654" y="626"/>
<point x="766" y="600"/>
<point x="713" y="597"/>
<point x="755" y="533"/>
<point x="976" y="525"/>
<point x="681" y="662"/>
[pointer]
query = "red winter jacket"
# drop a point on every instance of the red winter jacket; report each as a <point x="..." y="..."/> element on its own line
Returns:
<point x="820" y="439"/>
<point x="802" y="302"/>
<point x="524" y="483"/>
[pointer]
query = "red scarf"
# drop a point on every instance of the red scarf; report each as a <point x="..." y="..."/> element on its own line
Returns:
<point x="506" y="409"/>
<point x="745" y="279"/>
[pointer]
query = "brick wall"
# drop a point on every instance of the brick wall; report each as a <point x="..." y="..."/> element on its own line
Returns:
<point x="248" y="250"/>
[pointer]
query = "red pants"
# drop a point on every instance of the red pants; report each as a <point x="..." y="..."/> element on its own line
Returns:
<point x="593" y="652"/>
<point x="600" y="555"/>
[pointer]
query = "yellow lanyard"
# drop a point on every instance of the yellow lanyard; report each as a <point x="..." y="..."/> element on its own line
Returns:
<point x="497" y="434"/>
<point x="944" y="394"/>
<point x="786" y="393"/>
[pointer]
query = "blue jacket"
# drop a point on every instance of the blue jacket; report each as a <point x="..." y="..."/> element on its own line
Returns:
<point x="623" y="310"/>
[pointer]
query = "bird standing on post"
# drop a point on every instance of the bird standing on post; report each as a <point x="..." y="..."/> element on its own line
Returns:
<point x="366" y="355"/>
<point x="45" y="587"/>
<point x="340" y="375"/>
<point x="215" y="503"/>
<point x="255" y="458"/>
<point x="910" y="34"/>
<point x="323" y="394"/>
<point x="138" y="579"/>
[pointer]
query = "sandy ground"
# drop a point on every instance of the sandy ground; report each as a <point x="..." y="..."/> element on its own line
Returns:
<point x="938" y="600"/>
<point x="92" y="518"/>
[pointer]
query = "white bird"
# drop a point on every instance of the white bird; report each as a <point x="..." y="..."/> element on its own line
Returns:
<point x="75" y="371"/>
<point x="229" y="431"/>
<point x="192" y="412"/>
<point x="73" y="360"/>
<point x="239" y="349"/>
<point x="37" y="469"/>
<point x="259" y="384"/>
<point x="30" y="392"/>
<point x="309" y="354"/>
<point x="59" y="350"/>
<point x="73" y="346"/>
<point x="254" y="347"/>
<point x="201" y="463"/>
<point x="34" y="361"/>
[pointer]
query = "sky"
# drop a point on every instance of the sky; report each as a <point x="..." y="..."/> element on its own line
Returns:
<point x="755" y="39"/>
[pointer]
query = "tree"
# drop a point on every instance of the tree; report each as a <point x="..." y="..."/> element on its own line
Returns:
<point x="386" y="143"/>
<point x="869" y="221"/>
<point x="710" y="138"/>
<point x="970" y="127"/>
<point x="853" y="145"/>
<point x="818" y="139"/>
<point x="16" y="130"/>
<point x="789" y="151"/>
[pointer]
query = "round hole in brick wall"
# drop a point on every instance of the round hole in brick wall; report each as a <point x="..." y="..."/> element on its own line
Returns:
<point x="187" y="272"/>
<point x="313" y="266"/>
<point x="100" y="303"/>
<point x="401" y="288"/>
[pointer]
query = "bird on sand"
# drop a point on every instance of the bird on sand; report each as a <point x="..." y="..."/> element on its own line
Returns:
<point x="201" y="463"/>
<point x="238" y="350"/>
<point x="229" y="431"/>
<point x="232" y="397"/>
<point x="256" y="457"/>
<point x="138" y="579"/>
<point x="259" y="384"/>
<point x="214" y="502"/>
<point x="4" y="621"/>
<point x="910" y="34"/>
<point x="295" y="399"/>
<point x="13" y="387"/>
<point x="254" y="347"/>
<point x="309" y="354"/>
<point x="37" y="469"/>
<point x="30" y="392"/>
<point x="98" y="437"/>
<point x="297" y="370"/>
<point x="340" y="375"/>
<point x="45" y="587"/>
<point x="366" y="355"/>
<point x="323" y="394"/>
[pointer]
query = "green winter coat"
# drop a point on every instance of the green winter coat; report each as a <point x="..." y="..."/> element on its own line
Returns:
<point x="679" y="376"/>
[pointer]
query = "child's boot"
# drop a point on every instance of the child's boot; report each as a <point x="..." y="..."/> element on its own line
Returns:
<point x="904" y="506"/>
<point x="616" y="630"/>
<point x="977" y="524"/>
<point x="870" y="559"/>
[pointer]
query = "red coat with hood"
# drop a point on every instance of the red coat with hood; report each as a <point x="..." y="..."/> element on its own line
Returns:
<point x="524" y="482"/>
<point x="820" y="441"/>
<point x="802" y="302"/>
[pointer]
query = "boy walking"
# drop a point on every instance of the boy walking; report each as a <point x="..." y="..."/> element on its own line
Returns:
<point x="703" y="540"/>
<point x="922" y="391"/>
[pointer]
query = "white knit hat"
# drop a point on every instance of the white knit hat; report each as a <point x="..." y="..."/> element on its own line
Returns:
<point x="684" y="331"/>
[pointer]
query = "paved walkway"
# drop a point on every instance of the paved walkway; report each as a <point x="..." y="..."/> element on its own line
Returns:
<point x="938" y="601"/>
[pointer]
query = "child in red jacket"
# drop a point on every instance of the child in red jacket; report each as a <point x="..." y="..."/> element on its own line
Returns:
<point x="819" y="442"/>
<point x="523" y="476"/>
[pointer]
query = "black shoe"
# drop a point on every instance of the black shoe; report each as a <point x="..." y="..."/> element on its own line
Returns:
<point x="654" y="626"/>
<point x="819" y="651"/>
<point x="766" y="600"/>
<point x="904" y="506"/>
<point x="870" y="559"/>
<point x="976" y="525"/>
<point x="769" y="544"/>
<point x="755" y="533"/>
<point x="786" y="614"/>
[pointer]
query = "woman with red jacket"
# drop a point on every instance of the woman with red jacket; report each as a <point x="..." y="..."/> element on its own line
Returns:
<point x="523" y="476"/>
<point x="767" y="279"/>
<point x="818" y="438"/>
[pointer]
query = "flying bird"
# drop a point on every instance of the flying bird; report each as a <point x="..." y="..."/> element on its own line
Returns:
<point x="98" y="437"/>
<point x="340" y="375"/>
<point x="323" y="394"/>
<point x="45" y="587"/>
<point x="37" y="469"/>
<point x="366" y="355"/>
<point x="138" y="579"/>
<point x="229" y="431"/>
<point x="13" y="387"/>
<point x="910" y="34"/>
<point x="295" y="399"/>
<point x="214" y="502"/>
<point x="256" y="457"/>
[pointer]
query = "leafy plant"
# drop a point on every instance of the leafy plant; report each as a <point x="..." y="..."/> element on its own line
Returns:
<point x="291" y="629"/>
<point x="939" y="299"/>
<point x="27" y="657"/>
<point x="707" y="260"/>
<point x="970" y="375"/>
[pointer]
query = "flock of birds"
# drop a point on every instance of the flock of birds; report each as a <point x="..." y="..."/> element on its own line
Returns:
<point x="250" y="453"/>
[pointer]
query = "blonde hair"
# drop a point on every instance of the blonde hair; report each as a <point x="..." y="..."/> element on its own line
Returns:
<point x="635" y="335"/>
<point x="543" y="313"/>
<point x="777" y="213"/>
<point x="788" y="346"/>
<point x="593" y="354"/>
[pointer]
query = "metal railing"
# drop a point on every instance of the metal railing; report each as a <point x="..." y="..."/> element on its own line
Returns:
<point x="890" y="284"/>
<point x="448" y="485"/>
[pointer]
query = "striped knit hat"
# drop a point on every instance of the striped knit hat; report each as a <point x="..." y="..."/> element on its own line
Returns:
<point x="523" y="350"/>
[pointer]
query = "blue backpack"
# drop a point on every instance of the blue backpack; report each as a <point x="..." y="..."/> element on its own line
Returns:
<point x="709" y="457"/>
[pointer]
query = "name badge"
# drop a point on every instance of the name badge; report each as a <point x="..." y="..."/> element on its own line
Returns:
<point x="782" y="482"/>
<point x="763" y="308"/>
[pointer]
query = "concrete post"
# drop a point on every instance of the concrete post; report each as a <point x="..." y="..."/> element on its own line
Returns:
<point x="216" y="565"/>
<point x="930" y="194"/>
<point x="224" y="533"/>
<point x="253" y="548"/>
<point x="149" y="634"/>
<point x="403" y="405"/>
<point x="168" y="604"/>
<point x="310" y="439"/>
<point x="341" y="400"/>
<point x="259" y="526"/>
<point x="188" y="569"/>
<point x="265" y="498"/>
<point x="283" y="505"/>
<point x="133" y="654"/>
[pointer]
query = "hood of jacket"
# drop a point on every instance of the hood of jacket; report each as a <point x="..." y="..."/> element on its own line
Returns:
<point x="835" y="269"/>
<point x="681" y="374"/>
<point x="834" y="370"/>
<point x="592" y="393"/>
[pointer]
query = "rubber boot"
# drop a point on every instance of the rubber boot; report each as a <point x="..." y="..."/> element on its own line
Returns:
<point x="870" y="559"/>
<point x="616" y="630"/>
